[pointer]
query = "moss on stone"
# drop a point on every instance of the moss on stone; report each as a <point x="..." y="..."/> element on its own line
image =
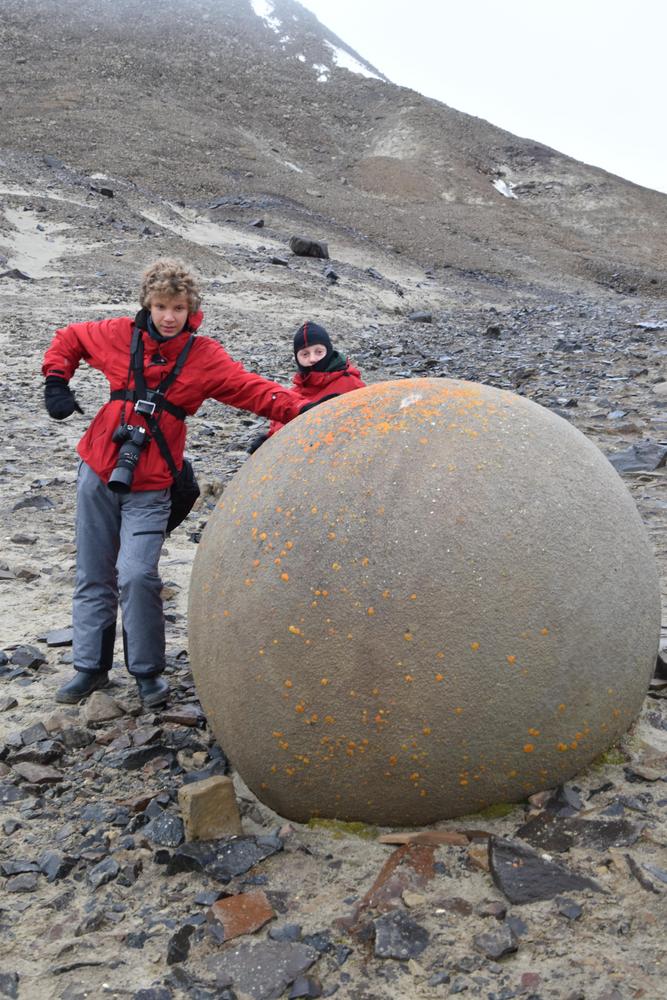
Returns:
<point x="614" y="755"/>
<point x="339" y="828"/>
<point x="497" y="811"/>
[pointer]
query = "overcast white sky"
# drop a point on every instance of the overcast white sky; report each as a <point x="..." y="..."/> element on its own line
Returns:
<point x="587" y="77"/>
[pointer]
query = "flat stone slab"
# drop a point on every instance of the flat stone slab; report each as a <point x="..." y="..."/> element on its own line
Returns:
<point x="243" y="913"/>
<point x="262" y="970"/>
<point x="525" y="876"/>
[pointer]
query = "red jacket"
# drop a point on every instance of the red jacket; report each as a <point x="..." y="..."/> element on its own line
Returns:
<point x="208" y="373"/>
<point x="310" y="386"/>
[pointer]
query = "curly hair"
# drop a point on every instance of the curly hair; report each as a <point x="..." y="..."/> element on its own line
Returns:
<point x="170" y="278"/>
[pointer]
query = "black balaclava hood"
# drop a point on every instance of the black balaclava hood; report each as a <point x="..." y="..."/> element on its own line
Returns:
<point x="307" y="335"/>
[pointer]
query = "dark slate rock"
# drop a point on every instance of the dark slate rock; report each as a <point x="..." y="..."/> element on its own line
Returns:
<point x="287" y="932"/>
<point x="59" y="637"/>
<point x="12" y="793"/>
<point x="658" y="873"/>
<point x="56" y="865"/>
<point x="178" y="948"/>
<point x="644" y="457"/>
<point x="421" y="317"/>
<point x="565" y="801"/>
<point x="28" y="656"/>
<point x="8" y="703"/>
<point x="524" y="876"/>
<point x="153" y="993"/>
<point x="568" y="907"/>
<point x="302" y="246"/>
<point x="8" y="868"/>
<point x="305" y="986"/>
<point x="330" y="275"/>
<point x="497" y="943"/>
<point x="439" y="979"/>
<point x="635" y="869"/>
<point x="397" y="935"/>
<point x="519" y="926"/>
<point x="257" y="223"/>
<point x="493" y="331"/>
<point x="320" y="941"/>
<point x="262" y="969"/>
<point x="43" y="752"/>
<point x="22" y="883"/>
<point x="36" y="503"/>
<point x="132" y="760"/>
<point x="16" y="275"/>
<point x="10" y="826"/>
<point x="281" y="261"/>
<point x="210" y="771"/>
<point x="9" y="985"/>
<point x="76" y="738"/>
<point x="550" y="833"/>
<point x="136" y="939"/>
<point x="166" y="830"/>
<point x="223" y="859"/>
<point x="103" y="872"/>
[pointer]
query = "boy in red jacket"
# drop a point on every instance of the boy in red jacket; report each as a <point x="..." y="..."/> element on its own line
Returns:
<point x="159" y="373"/>
<point x="323" y="372"/>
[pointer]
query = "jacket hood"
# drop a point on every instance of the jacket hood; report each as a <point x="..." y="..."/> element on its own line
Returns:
<point x="313" y="379"/>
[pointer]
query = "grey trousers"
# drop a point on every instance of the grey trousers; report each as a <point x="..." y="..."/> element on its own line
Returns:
<point x="118" y="538"/>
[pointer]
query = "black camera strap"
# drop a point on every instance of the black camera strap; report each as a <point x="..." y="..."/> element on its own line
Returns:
<point x="153" y="398"/>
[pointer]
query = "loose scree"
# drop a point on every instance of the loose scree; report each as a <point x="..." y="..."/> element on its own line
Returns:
<point x="419" y="599"/>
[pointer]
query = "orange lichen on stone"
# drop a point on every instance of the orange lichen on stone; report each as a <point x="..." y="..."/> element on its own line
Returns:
<point x="370" y="611"/>
<point x="528" y="748"/>
<point x="511" y="659"/>
<point x="533" y="732"/>
<point x="407" y="636"/>
<point x="458" y="710"/>
<point x="324" y="681"/>
<point x="439" y="677"/>
<point x="284" y="576"/>
<point x="474" y="646"/>
<point x="561" y="747"/>
<point x="544" y="631"/>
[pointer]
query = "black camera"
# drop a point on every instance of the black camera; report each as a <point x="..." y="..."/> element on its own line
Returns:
<point x="131" y="440"/>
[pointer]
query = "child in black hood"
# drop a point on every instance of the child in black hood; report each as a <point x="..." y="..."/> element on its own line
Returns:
<point x="323" y="371"/>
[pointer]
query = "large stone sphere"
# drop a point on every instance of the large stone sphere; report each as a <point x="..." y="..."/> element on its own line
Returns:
<point x="419" y="599"/>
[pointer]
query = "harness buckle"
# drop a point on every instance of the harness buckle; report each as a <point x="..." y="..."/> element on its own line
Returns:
<point x="145" y="406"/>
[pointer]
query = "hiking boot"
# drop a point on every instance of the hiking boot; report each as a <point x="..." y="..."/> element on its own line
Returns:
<point x="152" y="690"/>
<point x="81" y="685"/>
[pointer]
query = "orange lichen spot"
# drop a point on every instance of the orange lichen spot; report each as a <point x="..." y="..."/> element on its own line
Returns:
<point x="440" y="656"/>
<point x="426" y="730"/>
<point x="474" y="646"/>
<point x="423" y="793"/>
<point x="616" y="712"/>
<point x="408" y="678"/>
<point x="544" y="631"/>
<point x="300" y="707"/>
<point x="329" y="719"/>
<point x="313" y="718"/>
<point x="331" y="535"/>
<point x="324" y="681"/>
<point x="533" y="732"/>
<point x="439" y="677"/>
<point x="375" y="691"/>
<point x="512" y="774"/>
<point x="277" y="733"/>
<point x="579" y="736"/>
<point x="290" y="771"/>
<point x="260" y="652"/>
<point x="561" y="707"/>
<point x="573" y="745"/>
<point x="277" y="561"/>
<point x="248" y="581"/>
<point x="414" y="776"/>
<point x="284" y="576"/>
<point x="458" y="710"/>
<point x="463" y="781"/>
<point x="413" y="597"/>
<point x="386" y="593"/>
<point x="288" y="683"/>
<point x="335" y="567"/>
<point x="528" y="747"/>
<point x="407" y="636"/>
<point x="511" y="659"/>
<point x="365" y="561"/>
<point x="279" y="510"/>
<point x="263" y="785"/>
<point x="313" y="510"/>
<point x="263" y="536"/>
<point x="561" y="747"/>
<point x="283" y="744"/>
<point x="255" y="515"/>
<point x="325" y="593"/>
<point x="226" y="614"/>
<point x="255" y="562"/>
<point x="351" y="745"/>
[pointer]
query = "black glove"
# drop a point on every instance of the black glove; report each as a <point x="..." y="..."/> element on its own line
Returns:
<point x="309" y="406"/>
<point x="256" y="443"/>
<point x="59" y="399"/>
